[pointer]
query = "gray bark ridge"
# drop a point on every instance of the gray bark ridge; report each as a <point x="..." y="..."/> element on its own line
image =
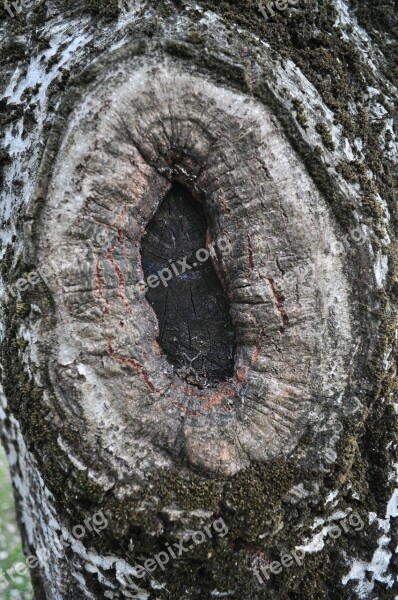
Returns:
<point x="295" y="452"/>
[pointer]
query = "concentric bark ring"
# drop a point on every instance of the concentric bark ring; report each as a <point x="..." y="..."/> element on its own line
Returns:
<point x="131" y="136"/>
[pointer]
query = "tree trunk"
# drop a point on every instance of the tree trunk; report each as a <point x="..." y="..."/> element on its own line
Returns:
<point x="199" y="283"/>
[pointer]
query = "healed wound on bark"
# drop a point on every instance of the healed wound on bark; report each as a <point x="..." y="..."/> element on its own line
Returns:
<point x="195" y="327"/>
<point x="128" y="138"/>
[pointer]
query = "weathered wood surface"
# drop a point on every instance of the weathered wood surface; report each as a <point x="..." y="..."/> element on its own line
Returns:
<point x="282" y="132"/>
<point x="195" y="327"/>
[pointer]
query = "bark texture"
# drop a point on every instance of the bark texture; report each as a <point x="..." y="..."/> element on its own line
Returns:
<point x="258" y="388"/>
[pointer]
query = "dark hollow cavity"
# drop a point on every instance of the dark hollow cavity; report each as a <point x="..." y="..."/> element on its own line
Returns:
<point x="195" y="327"/>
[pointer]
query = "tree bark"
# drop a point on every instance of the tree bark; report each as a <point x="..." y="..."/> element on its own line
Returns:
<point x="199" y="297"/>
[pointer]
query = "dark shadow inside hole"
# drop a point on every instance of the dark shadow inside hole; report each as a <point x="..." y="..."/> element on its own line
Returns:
<point x="195" y="327"/>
